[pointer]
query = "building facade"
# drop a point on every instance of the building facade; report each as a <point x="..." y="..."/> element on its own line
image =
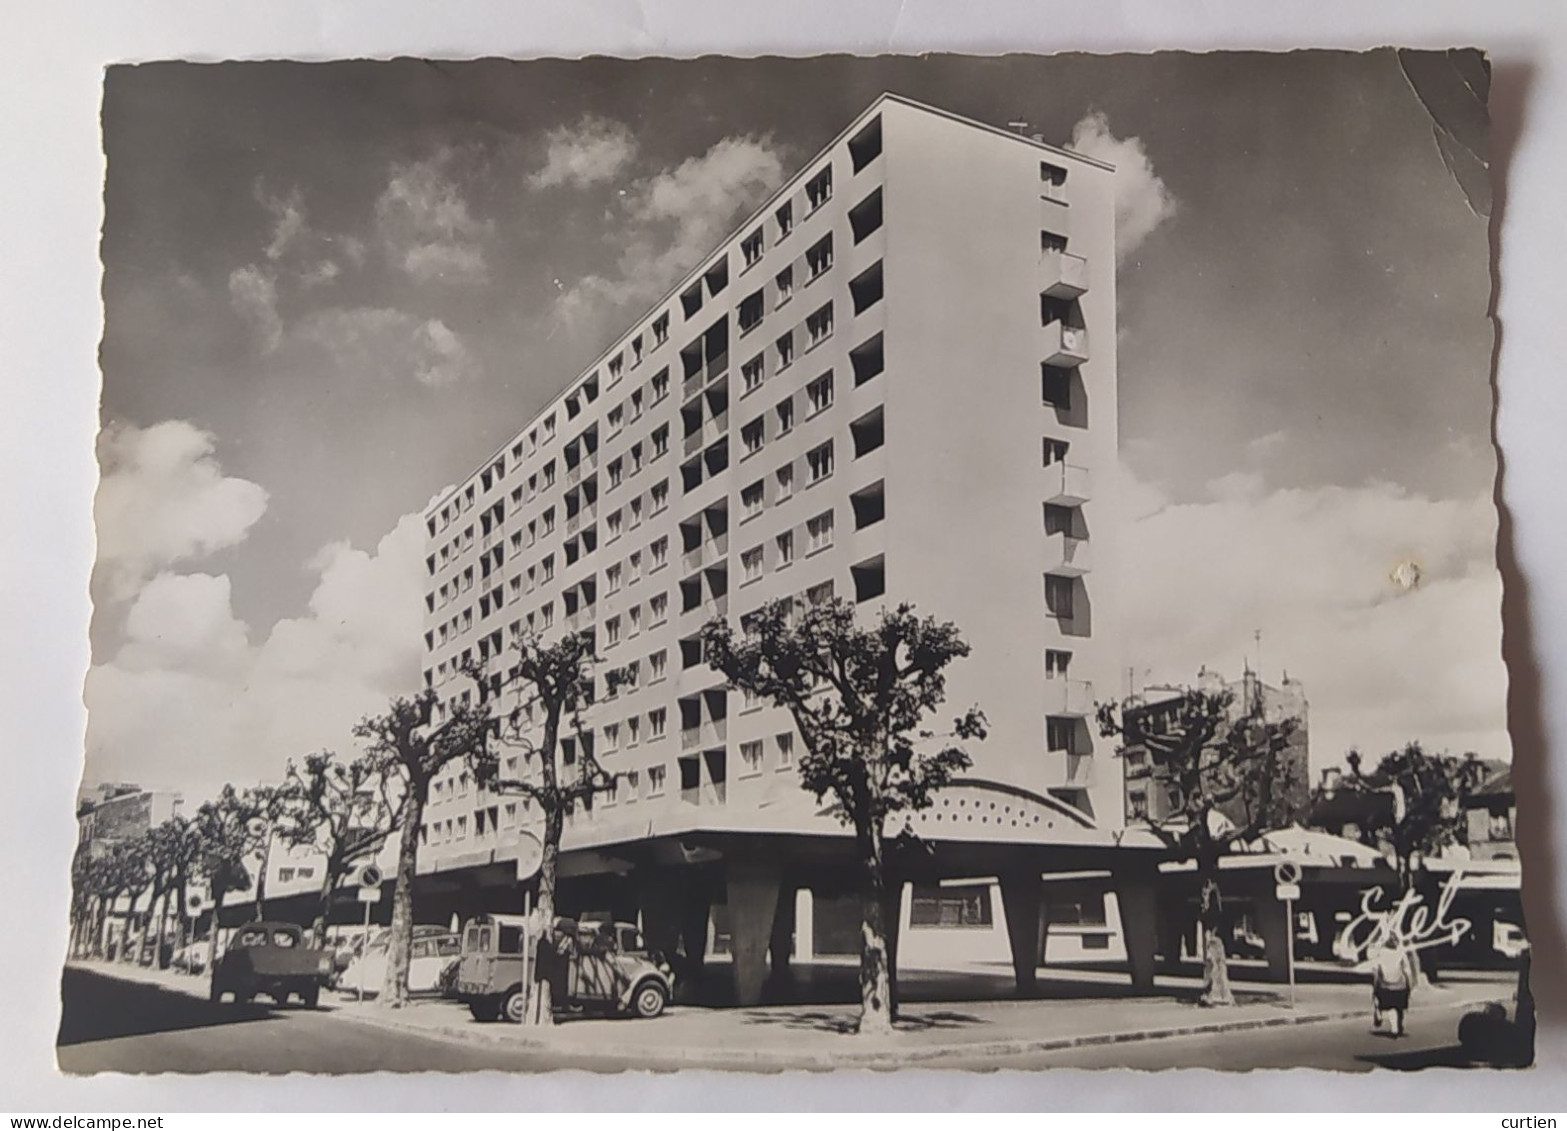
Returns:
<point x="895" y="382"/>
<point x="121" y="811"/>
<point x="1147" y="782"/>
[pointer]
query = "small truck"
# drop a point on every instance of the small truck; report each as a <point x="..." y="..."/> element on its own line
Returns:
<point x="272" y="959"/>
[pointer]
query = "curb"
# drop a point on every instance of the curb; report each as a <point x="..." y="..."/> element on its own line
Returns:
<point x="882" y="1054"/>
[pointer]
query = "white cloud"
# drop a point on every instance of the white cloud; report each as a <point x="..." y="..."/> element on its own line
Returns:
<point x="189" y="702"/>
<point x="674" y="218"/>
<point x="1142" y="202"/>
<point x="440" y="357"/>
<point x="1314" y="571"/>
<point x="587" y="153"/>
<point x="381" y="343"/>
<point x="253" y="294"/>
<point x="183" y="623"/>
<point x="426" y="226"/>
<point x="163" y="499"/>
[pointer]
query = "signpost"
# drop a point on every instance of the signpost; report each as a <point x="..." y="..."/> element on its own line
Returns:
<point x="193" y="904"/>
<point x="1286" y="878"/>
<point x="530" y="858"/>
<point x="369" y="894"/>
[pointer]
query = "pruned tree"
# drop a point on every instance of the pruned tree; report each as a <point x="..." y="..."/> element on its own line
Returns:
<point x="859" y="697"/>
<point x="553" y="683"/>
<point x="136" y="876"/>
<point x="345" y="811"/>
<point x="268" y="803"/>
<point x="1425" y="810"/>
<point x="1225" y="779"/>
<point x="226" y="841"/>
<point x="182" y="856"/>
<point x="1423" y="814"/>
<point x="406" y="745"/>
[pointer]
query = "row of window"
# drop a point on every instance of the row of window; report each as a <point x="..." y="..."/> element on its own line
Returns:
<point x="863" y="149"/>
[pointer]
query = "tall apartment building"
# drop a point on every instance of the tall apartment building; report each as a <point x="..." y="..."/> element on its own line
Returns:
<point x="895" y="382"/>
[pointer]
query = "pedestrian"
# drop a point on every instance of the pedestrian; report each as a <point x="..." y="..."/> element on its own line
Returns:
<point x="1390" y="986"/>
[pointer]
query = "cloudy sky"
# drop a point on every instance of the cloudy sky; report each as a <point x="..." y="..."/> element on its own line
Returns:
<point x="331" y="289"/>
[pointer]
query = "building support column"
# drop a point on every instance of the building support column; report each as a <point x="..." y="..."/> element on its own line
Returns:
<point x="1137" y="895"/>
<point x="780" y="947"/>
<point x="805" y="925"/>
<point x="753" y="904"/>
<point x="695" y="906"/>
<point x="1274" y="926"/>
<point x="1022" y="899"/>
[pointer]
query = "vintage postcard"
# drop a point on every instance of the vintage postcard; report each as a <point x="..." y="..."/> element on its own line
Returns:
<point x="797" y="563"/>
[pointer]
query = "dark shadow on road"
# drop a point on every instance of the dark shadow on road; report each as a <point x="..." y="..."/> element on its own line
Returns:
<point x="1448" y="1056"/>
<point x="100" y="1007"/>
<point x="822" y="1022"/>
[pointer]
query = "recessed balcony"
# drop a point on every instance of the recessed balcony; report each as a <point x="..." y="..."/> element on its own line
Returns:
<point x="1069" y="698"/>
<point x="1080" y="771"/>
<point x="1066" y="484"/>
<point x="1065" y="346"/>
<point x="1064" y="275"/>
<point x="1067" y="556"/>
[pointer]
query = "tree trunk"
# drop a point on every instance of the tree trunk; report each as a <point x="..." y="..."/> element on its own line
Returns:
<point x="876" y="1000"/>
<point x="399" y="945"/>
<point x="323" y="906"/>
<point x="261" y="878"/>
<point x="161" y="927"/>
<point x="212" y="932"/>
<point x="1215" y="963"/>
<point x="540" y="1009"/>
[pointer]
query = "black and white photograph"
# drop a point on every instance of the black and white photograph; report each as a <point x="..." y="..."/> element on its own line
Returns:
<point x="764" y="564"/>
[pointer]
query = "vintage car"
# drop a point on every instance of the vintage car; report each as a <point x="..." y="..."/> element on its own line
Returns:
<point x="272" y="959"/>
<point x="431" y="956"/>
<point x="599" y="967"/>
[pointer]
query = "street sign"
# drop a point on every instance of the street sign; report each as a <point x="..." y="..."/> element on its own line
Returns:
<point x="370" y="877"/>
<point x="1286" y="872"/>
<point x="1287" y="891"/>
<point x="530" y="856"/>
<point x="370" y="895"/>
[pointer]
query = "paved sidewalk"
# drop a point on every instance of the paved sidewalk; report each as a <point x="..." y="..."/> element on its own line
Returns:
<point x="816" y="1036"/>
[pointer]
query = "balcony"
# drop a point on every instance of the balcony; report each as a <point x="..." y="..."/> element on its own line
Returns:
<point x="1080" y="771"/>
<point x="708" y="734"/>
<point x="707" y="610"/>
<point x="1065" y="346"/>
<point x="1069" y="698"/>
<point x="1067" y="556"/>
<point x="584" y="465"/>
<point x="1066" y="484"/>
<point x="1063" y="274"/>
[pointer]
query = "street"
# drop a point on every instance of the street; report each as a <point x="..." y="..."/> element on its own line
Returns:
<point x="113" y="1025"/>
<point x="120" y="1024"/>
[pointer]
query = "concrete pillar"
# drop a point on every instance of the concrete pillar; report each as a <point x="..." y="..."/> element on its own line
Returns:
<point x="1022" y="899"/>
<point x="1274" y="926"/>
<point x="695" y="907"/>
<point x="753" y="904"/>
<point x="781" y="945"/>
<point x="1167" y="928"/>
<point x="804" y="926"/>
<point x="1137" y="896"/>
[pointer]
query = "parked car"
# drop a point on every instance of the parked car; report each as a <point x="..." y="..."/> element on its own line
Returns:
<point x="591" y="967"/>
<point x="431" y="956"/>
<point x="1502" y="1035"/>
<point x="272" y="959"/>
<point x="192" y="958"/>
